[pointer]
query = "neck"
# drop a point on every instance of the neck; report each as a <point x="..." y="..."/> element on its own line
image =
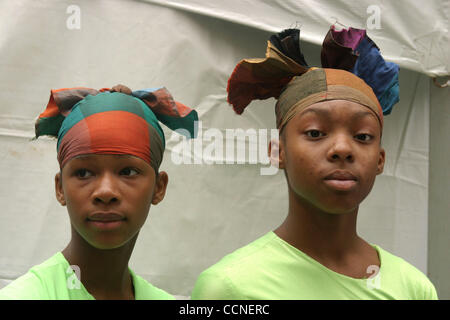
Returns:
<point x="318" y="233"/>
<point x="104" y="272"/>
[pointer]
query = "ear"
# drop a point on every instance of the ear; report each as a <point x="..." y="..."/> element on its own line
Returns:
<point x="160" y="187"/>
<point x="59" y="189"/>
<point x="381" y="160"/>
<point x="276" y="153"/>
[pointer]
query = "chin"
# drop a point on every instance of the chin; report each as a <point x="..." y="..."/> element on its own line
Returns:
<point x="340" y="207"/>
<point x="342" y="202"/>
<point x="107" y="246"/>
<point x="341" y="211"/>
<point x="108" y="242"/>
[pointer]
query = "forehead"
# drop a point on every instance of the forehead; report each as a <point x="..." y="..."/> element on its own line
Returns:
<point x="104" y="159"/>
<point x="338" y="111"/>
<point x="94" y="156"/>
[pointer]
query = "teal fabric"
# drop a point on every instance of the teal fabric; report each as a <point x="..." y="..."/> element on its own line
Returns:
<point x="109" y="101"/>
<point x="391" y="96"/>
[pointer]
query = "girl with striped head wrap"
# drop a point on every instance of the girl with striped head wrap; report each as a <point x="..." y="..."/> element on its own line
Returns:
<point x="110" y="146"/>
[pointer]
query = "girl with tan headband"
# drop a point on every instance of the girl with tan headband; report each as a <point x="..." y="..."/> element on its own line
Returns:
<point x="330" y="121"/>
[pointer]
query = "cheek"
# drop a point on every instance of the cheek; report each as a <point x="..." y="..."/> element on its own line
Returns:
<point x="141" y="210"/>
<point x="301" y="170"/>
<point x="140" y="197"/>
<point x="369" y="171"/>
<point x="372" y="160"/>
<point x="75" y="197"/>
<point x="302" y="158"/>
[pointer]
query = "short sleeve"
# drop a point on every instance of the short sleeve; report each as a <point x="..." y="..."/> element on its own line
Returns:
<point x="212" y="285"/>
<point x="429" y="291"/>
<point x="26" y="287"/>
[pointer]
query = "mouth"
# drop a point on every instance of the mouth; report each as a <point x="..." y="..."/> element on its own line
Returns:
<point x="341" y="180"/>
<point x="106" y="220"/>
<point x="106" y="217"/>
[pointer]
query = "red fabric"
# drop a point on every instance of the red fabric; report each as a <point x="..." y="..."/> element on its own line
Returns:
<point x="112" y="132"/>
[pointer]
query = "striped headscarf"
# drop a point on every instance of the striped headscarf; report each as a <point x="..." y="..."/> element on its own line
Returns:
<point x="88" y="121"/>
<point x="352" y="69"/>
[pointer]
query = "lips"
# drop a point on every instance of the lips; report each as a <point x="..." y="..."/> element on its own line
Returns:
<point x="341" y="175"/>
<point x="341" y="180"/>
<point x="106" y="220"/>
<point x="106" y="217"/>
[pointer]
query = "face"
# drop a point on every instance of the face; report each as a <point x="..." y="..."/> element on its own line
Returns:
<point x="331" y="154"/>
<point x="108" y="197"/>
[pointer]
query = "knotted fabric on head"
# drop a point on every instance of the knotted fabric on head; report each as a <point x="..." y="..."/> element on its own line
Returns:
<point x="88" y="121"/>
<point x="352" y="69"/>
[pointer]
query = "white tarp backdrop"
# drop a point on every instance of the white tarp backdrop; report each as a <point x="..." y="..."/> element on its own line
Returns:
<point x="410" y="33"/>
<point x="191" y="47"/>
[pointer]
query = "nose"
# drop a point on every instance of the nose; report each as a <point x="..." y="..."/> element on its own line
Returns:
<point x="106" y="190"/>
<point x="341" y="149"/>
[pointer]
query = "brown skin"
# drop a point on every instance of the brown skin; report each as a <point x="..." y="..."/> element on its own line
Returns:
<point x="122" y="184"/>
<point x="321" y="221"/>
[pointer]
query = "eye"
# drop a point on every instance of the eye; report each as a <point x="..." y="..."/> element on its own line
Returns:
<point x="83" y="173"/>
<point x="129" y="172"/>
<point x="314" y="133"/>
<point x="364" y="137"/>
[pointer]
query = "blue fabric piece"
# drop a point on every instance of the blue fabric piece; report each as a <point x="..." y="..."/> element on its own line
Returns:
<point x="390" y="97"/>
<point x="380" y="75"/>
<point x="141" y="94"/>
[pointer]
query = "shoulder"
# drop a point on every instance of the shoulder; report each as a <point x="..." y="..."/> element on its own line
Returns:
<point x="32" y="285"/>
<point x="26" y="287"/>
<point x="144" y="290"/>
<point x="236" y="270"/>
<point x="408" y="277"/>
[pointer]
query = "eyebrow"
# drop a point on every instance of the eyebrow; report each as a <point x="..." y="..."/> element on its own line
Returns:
<point x="327" y="114"/>
<point x="319" y="112"/>
<point x="362" y="114"/>
<point x="88" y="156"/>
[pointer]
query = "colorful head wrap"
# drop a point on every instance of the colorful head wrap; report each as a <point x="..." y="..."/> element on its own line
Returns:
<point x="352" y="69"/>
<point x="87" y="121"/>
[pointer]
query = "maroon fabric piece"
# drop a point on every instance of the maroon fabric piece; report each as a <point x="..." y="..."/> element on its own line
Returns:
<point x="338" y="48"/>
<point x="348" y="38"/>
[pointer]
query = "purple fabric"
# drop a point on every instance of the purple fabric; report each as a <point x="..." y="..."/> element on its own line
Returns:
<point x="348" y="38"/>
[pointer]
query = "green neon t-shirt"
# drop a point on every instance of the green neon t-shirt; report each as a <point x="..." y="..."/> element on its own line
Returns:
<point x="271" y="269"/>
<point x="54" y="279"/>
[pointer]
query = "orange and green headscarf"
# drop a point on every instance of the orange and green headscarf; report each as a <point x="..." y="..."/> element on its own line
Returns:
<point x="89" y="121"/>
<point x="352" y="69"/>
